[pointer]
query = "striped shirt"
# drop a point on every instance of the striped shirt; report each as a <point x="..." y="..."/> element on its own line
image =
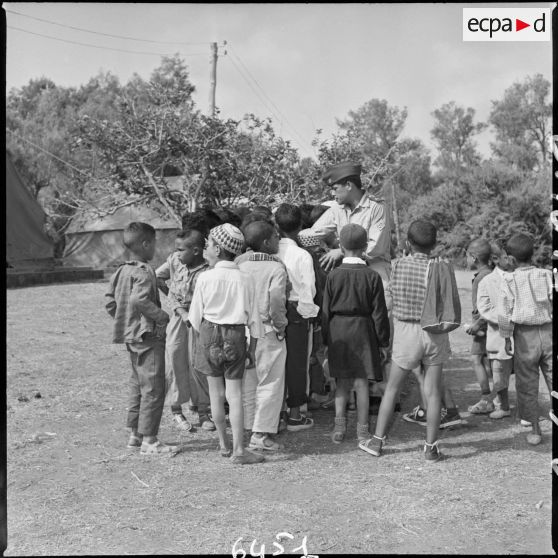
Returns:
<point x="408" y="287"/>
<point x="525" y="298"/>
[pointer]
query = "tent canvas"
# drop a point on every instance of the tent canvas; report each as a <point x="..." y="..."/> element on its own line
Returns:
<point x="96" y="241"/>
<point x="26" y="241"/>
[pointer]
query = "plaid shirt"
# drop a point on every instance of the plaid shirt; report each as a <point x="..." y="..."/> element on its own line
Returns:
<point x="133" y="302"/>
<point x="182" y="280"/>
<point x="408" y="287"/>
<point x="525" y="298"/>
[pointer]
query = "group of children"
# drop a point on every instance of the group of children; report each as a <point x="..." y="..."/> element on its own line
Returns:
<point x="250" y="309"/>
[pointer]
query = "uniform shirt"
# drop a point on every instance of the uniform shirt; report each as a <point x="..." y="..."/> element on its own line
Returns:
<point x="300" y="269"/>
<point x="270" y="281"/>
<point x="525" y="298"/>
<point x="133" y="302"/>
<point x="487" y="296"/>
<point x="408" y="287"/>
<point x="182" y="280"/>
<point x="226" y="296"/>
<point x="368" y="214"/>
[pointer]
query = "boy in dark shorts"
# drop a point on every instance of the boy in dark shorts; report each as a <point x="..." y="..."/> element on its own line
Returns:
<point x="222" y="306"/>
<point x="140" y="323"/>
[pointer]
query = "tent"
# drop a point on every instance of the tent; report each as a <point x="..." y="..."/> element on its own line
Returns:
<point x="27" y="245"/>
<point x="97" y="241"/>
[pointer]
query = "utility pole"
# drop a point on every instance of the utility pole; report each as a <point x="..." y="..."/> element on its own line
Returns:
<point x="212" y="79"/>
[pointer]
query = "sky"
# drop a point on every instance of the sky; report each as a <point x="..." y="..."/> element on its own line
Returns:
<point x="303" y="65"/>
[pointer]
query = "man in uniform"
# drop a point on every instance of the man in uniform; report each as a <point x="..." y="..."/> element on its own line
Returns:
<point x="355" y="205"/>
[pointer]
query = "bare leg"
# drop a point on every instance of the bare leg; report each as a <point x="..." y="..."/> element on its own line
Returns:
<point x="361" y="389"/>
<point x="236" y="414"/>
<point x="433" y="393"/>
<point x="341" y="397"/>
<point x="217" y="400"/>
<point x="396" y="377"/>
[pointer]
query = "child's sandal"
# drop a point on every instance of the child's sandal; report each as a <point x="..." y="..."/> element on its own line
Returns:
<point x="339" y="430"/>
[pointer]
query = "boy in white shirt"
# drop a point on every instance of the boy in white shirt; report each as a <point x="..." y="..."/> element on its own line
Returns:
<point x="300" y="309"/>
<point x="500" y="362"/>
<point x="222" y="306"/>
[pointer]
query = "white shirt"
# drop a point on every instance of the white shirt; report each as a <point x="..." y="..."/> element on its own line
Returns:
<point x="487" y="297"/>
<point x="301" y="274"/>
<point x="352" y="260"/>
<point x="225" y="295"/>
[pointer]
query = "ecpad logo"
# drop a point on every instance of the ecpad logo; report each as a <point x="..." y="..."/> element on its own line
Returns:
<point x="506" y="24"/>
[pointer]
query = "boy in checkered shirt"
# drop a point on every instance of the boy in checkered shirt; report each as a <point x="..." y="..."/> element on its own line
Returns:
<point x="525" y="311"/>
<point x="411" y="344"/>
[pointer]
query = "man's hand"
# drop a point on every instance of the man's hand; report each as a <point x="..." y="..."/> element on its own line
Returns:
<point x="508" y="346"/>
<point x="328" y="260"/>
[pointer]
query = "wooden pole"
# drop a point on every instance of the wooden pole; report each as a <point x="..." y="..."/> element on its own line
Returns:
<point x="212" y="79"/>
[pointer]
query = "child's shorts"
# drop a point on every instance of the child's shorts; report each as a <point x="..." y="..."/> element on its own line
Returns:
<point x="221" y="350"/>
<point x="478" y="346"/>
<point x="412" y="345"/>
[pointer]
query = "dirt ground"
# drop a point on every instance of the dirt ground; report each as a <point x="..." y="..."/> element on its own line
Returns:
<point x="74" y="488"/>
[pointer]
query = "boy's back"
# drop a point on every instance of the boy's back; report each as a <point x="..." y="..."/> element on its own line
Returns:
<point x="134" y="302"/>
<point x="408" y="286"/>
<point x="527" y="295"/>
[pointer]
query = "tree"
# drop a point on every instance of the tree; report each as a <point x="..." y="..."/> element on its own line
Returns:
<point x="453" y="135"/>
<point x="522" y="122"/>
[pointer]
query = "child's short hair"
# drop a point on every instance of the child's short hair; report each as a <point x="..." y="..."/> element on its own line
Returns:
<point x="288" y="217"/>
<point x="521" y="247"/>
<point x="480" y="248"/>
<point x="229" y="216"/>
<point x="317" y="212"/>
<point x="195" y="235"/>
<point x="306" y="211"/>
<point x="255" y="233"/>
<point x="136" y="232"/>
<point x="422" y="234"/>
<point x="263" y="209"/>
<point x="203" y="220"/>
<point x="353" y="237"/>
<point x="254" y="217"/>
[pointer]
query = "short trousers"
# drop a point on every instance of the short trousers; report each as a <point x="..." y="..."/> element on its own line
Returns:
<point x="478" y="346"/>
<point x="412" y="346"/>
<point x="221" y="350"/>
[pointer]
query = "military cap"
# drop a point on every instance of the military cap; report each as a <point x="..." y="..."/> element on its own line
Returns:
<point x="340" y="171"/>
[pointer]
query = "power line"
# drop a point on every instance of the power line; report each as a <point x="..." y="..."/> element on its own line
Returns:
<point x="103" y="34"/>
<point x="261" y="99"/>
<point x="259" y="96"/>
<point x="102" y="47"/>
<point x="268" y="98"/>
<point x="48" y="153"/>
